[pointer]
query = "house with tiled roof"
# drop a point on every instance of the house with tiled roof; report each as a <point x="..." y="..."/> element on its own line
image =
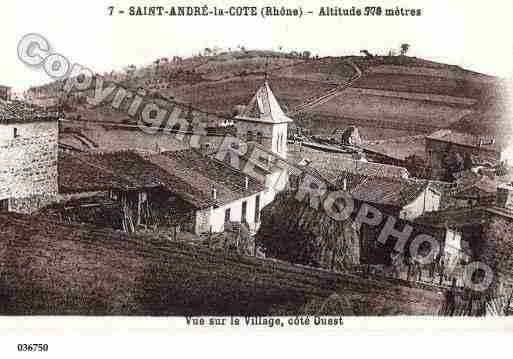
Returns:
<point x="257" y="161"/>
<point x="483" y="234"/>
<point x="442" y="144"/>
<point x="182" y="188"/>
<point x="146" y="195"/>
<point x="406" y="199"/>
<point x="233" y="195"/>
<point x="328" y="161"/>
<point x="28" y="156"/>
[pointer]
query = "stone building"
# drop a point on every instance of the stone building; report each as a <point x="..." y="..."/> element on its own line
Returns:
<point x="487" y="234"/>
<point x="263" y="121"/>
<point x="28" y="156"/>
<point x="182" y="189"/>
<point x="442" y="144"/>
<point x="221" y="194"/>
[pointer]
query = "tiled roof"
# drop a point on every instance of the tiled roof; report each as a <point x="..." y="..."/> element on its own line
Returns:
<point x="18" y="111"/>
<point x="454" y="218"/>
<point x="339" y="162"/>
<point x="388" y="191"/>
<point x="464" y="139"/>
<point x="480" y="187"/>
<point x="205" y="173"/>
<point x="264" y="107"/>
<point x="396" y="192"/>
<point x="77" y="174"/>
<point x="122" y="170"/>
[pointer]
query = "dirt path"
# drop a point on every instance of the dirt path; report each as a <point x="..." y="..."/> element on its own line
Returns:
<point x="329" y="94"/>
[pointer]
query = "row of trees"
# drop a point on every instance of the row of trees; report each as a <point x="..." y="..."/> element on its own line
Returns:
<point x="403" y="50"/>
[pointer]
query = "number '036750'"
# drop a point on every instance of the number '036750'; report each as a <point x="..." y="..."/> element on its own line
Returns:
<point x="32" y="347"/>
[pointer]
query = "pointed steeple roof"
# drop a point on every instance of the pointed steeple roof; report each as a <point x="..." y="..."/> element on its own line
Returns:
<point x="264" y="107"/>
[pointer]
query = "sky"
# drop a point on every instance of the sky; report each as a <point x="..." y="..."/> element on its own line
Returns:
<point x="473" y="34"/>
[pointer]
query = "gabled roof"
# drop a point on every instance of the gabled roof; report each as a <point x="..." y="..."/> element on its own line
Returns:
<point x="77" y="174"/>
<point x="388" y="191"/>
<point x="205" y="173"/>
<point x="124" y="170"/>
<point x="462" y="217"/>
<point x="395" y="192"/>
<point x="20" y="112"/>
<point x="464" y="139"/>
<point x="264" y="107"/>
<point x="482" y="186"/>
<point x="324" y="161"/>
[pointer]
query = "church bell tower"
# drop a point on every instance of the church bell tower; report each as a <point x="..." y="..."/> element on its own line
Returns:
<point x="264" y="122"/>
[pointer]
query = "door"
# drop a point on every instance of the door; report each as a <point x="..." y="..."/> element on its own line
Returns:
<point x="4" y="205"/>
<point x="244" y="210"/>
<point x="257" y="209"/>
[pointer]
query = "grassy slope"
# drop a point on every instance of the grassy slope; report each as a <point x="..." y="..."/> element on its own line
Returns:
<point x="219" y="83"/>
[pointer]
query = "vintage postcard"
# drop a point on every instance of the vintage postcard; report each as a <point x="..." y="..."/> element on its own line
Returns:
<point x="222" y="166"/>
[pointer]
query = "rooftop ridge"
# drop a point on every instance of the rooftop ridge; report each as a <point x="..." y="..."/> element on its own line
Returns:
<point x="264" y="107"/>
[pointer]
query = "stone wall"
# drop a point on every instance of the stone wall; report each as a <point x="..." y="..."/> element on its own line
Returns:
<point x="29" y="205"/>
<point x="28" y="162"/>
<point x="202" y="221"/>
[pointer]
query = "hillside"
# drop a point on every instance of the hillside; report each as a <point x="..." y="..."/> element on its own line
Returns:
<point x="117" y="274"/>
<point x="396" y="96"/>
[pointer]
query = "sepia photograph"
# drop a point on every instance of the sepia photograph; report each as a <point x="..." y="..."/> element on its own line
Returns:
<point x="226" y="165"/>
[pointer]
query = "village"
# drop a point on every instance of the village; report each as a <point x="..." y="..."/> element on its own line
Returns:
<point x="252" y="207"/>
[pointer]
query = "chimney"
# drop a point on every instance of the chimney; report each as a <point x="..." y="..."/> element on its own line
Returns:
<point x="246" y="182"/>
<point x="214" y="193"/>
<point x="505" y="197"/>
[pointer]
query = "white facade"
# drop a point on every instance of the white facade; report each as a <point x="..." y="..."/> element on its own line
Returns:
<point x="214" y="218"/>
<point x="427" y="201"/>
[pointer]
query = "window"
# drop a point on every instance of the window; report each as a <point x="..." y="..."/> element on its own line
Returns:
<point x="227" y="215"/>
<point x="249" y="136"/>
<point x="294" y="181"/>
<point x="4" y="205"/>
<point x="257" y="209"/>
<point x="16" y="134"/>
<point x="244" y="210"/>
<point x="260" y="137"/>
<point x="153" y="114"/>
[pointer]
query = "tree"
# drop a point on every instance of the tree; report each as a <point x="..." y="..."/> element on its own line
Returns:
<point x="306" y="54"/>
<point x="453" y="165"/>
<point x="157" y="64"/>
<point x="502" y="169"/>
<point x="130" y="71"/>
<point x="404" y="48"/>
<point x="366" y="53"/>
<point x="467" y="162"/>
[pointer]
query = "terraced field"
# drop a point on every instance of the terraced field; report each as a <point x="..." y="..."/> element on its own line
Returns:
<point x="324" y="70"/>
<point x="223" y="96"/>
<point x="395" y="97"/>
<point x="395" y="110"/>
